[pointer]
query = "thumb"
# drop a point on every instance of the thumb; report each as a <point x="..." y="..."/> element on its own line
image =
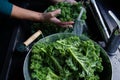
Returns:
<point x="56" y="12"/>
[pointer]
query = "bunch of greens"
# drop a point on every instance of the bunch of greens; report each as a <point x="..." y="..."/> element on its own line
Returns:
<point x="66" y="59"/>
<point x="69" y="12"/>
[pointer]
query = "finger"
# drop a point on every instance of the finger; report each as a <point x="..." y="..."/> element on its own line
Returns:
<point x="71" y="1"/>
<point x="66" y="23"/>
<point x="52" y="14"/>
<point x="74" y="2"/>
<point x="56" y="12"/>
<point x="67" y="26"/>
<point x="62" y="24"/>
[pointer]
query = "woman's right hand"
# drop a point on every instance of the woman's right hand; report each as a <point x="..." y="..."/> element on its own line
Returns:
<point x="69" y="1"/>
<point x="51" y="17"/>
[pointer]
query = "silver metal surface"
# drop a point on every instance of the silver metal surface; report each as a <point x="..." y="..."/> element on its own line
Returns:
<point x="115" y="18"/>
<point x="101" y="19"/>
<point x="115" y="60"/>
<point x="25" y="67"/>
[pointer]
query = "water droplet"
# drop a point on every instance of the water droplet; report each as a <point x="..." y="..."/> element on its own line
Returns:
<point x="116" y="63"/>
<point x="119" y="59"/>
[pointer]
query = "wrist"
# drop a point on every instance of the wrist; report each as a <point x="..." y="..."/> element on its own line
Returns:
<point x="41" y="17"/>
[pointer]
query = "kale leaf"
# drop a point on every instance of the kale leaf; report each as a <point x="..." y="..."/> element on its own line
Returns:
<point x="66" y="59"/>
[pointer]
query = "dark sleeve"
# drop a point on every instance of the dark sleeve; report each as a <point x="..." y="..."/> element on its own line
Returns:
<point x="5" y="7"/>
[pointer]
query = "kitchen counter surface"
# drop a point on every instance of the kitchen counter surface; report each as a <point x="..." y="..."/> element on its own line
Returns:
<point x="115" y="60"/>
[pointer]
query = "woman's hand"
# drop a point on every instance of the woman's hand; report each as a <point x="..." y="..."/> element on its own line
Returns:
<point x="26" y="14"/>
<point x="71" y="1"/>
<point x="57" y="1"/>
<point x="51" y="17"/>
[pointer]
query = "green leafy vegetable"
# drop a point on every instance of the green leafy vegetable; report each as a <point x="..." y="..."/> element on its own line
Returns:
<point x="69" y="12"/>
<point x="66" y="59"/>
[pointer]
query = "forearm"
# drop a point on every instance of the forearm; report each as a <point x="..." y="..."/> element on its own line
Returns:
<point x="21" y="13"/>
